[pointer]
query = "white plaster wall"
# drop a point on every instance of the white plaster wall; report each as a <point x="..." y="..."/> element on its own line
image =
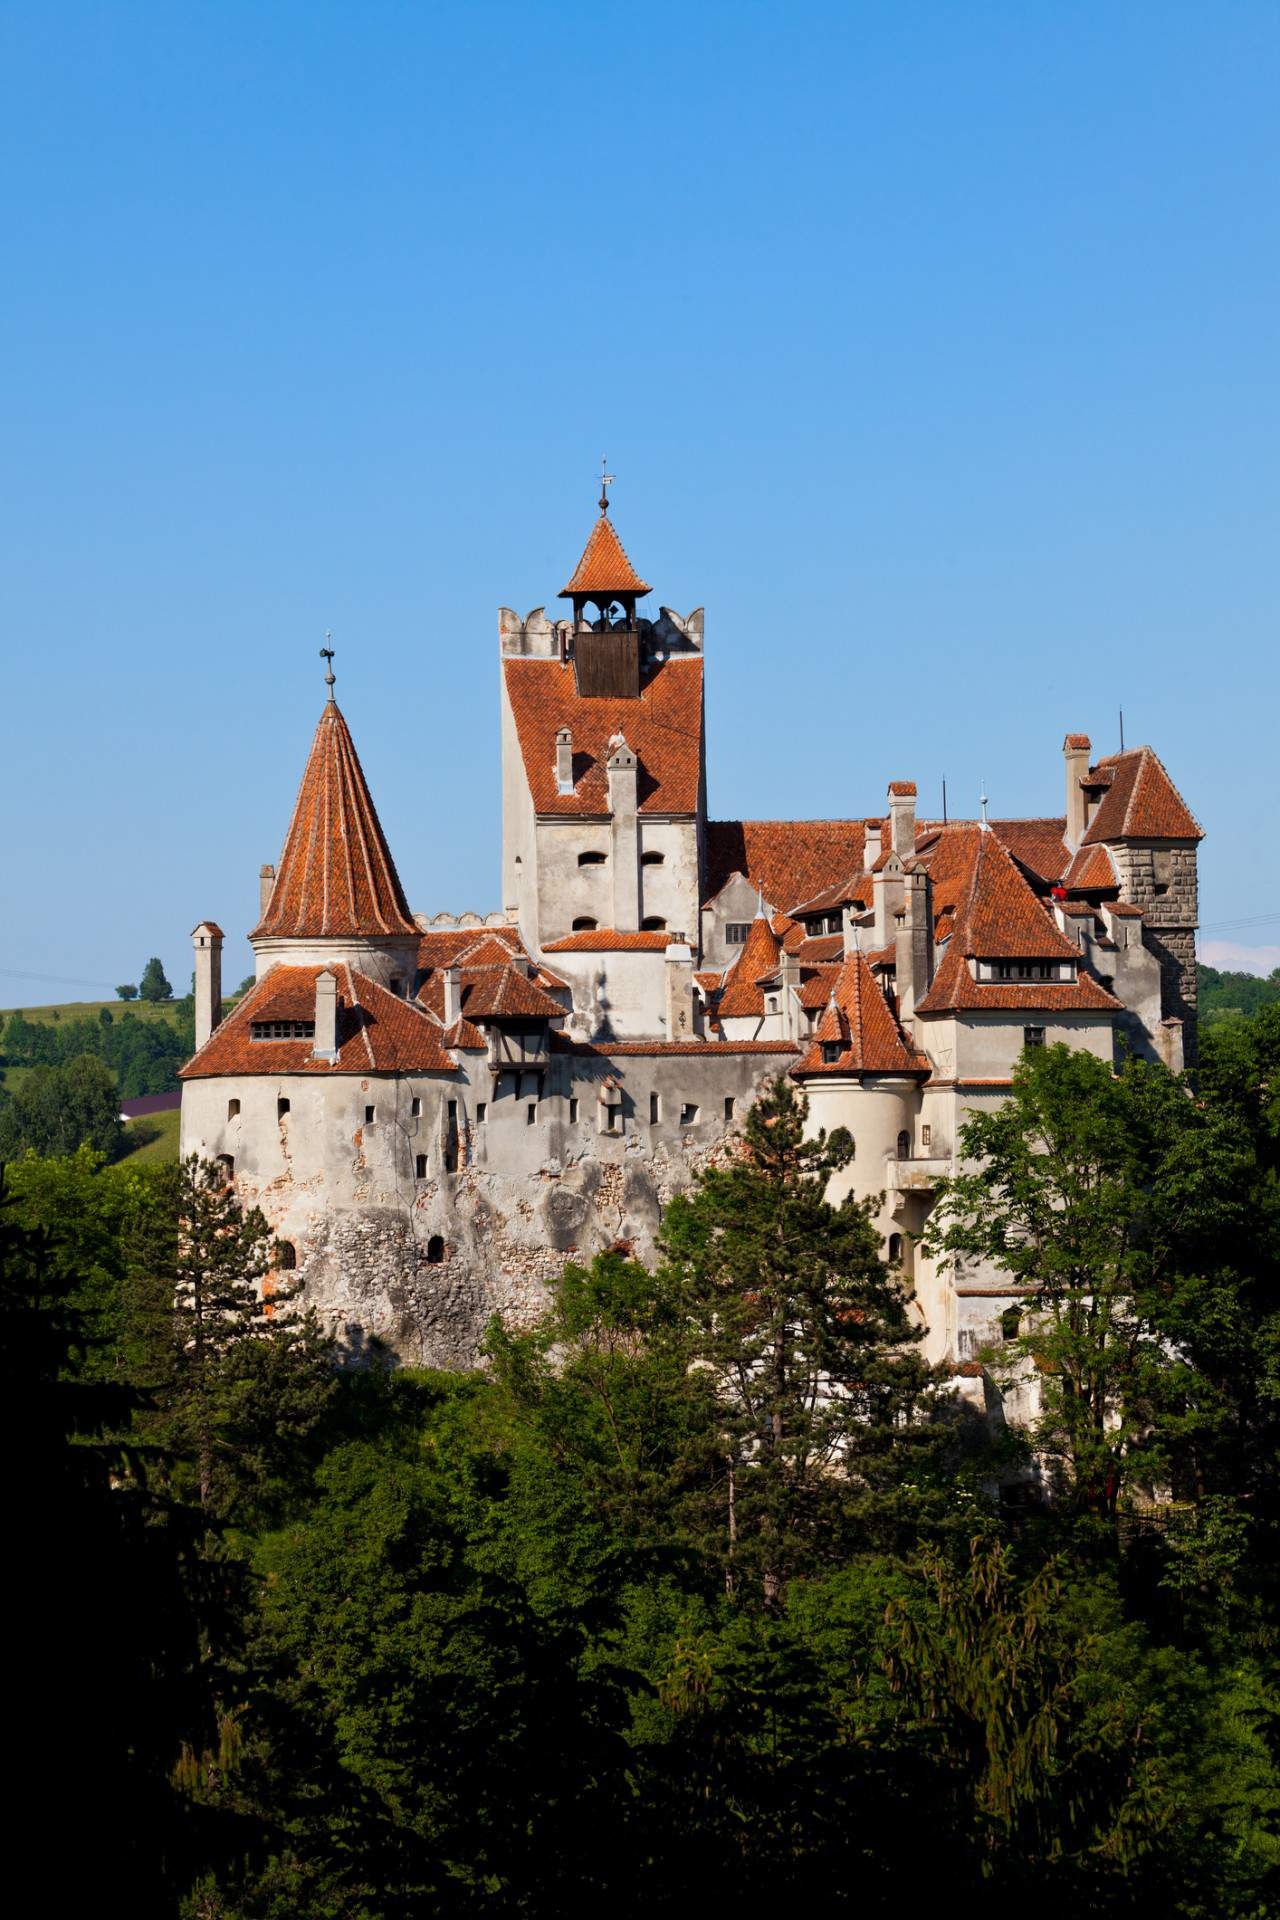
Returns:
<point x="616" y="995"/>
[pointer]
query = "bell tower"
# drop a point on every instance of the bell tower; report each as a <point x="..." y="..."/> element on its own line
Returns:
<point x="604" y="590"/>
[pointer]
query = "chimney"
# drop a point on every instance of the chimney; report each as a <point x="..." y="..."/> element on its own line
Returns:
<point x="452" y="995"/>
<point x="266" y="887"/>
<point x="871" y="844"/>
<point x="1075" y="753"/>
<point x="681" y="1011"/>
<point x="325" y="1044"/>
<point x="564" y="761"/>
<point x="206" y="941"/>
<point x="623" y="772"/>
<point x="902" y="817"/>
<point x="913" y="944"/>
<point x="789" y="988"/>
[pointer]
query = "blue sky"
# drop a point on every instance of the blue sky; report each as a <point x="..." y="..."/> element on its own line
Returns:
<point x="934" y="348"/>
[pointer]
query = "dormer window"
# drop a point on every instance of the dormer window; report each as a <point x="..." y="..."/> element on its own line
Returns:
<point x="282" y="1030"/>
<point x="584" y="924"/>
<point x="830" y="1052"/>
<point x="1024" y="971"/>
<point x="735" y="934"/>
<point x="590" y="858"/>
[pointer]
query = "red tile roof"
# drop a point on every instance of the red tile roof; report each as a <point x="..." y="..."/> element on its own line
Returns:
<point x="604" y="566"/>
<point x="741" y="996"/>
<point x="902" y="786"/>
<point x="663" y="728"/>
<point x="790" y="859"/>
<point x="1079" y="742"/>
<point x="1141" y="802"/>
<point x="1003" y="920"/>
<point x="954" y="989"/>
<point x="859" y="1021"/>
<point x="1090" y="871"/>
<point x="1038" y="845"/>
<point x="608" y="940"/>
<point x="377" y="1031"/>
<point x="507" y="993"/>
<point x="336" y="875"/>
<point x="608" y="1049"/>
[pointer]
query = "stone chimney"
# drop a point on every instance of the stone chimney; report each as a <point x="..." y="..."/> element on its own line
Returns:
<point x="886" y="894"/>
<point x="325" y="1044"/>
<point x="564" y="761"/>
<point x="902" y="817"/>
<point x="789" y="988"/>
<point x="206" y="941"/>
<point x="452" y="995"/>
<point x="1076" y="749"/>
<point x="913" y="943"/>
<point x="623" y="772"/>
<point x="681" y="1009"/>
<point x="871" y="845"/>
<point x="266" y="883"/>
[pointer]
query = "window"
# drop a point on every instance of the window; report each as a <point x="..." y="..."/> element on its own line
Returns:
<point x="655" y="1109"/>
<point x="895" y="1248"/>
<point x="584" y="924"/>
<point x="728" y="1109"/>
<point x="415" y="1108"/>
<point x="1032" y="970"/>
<point x="482" y="1112"/>
<point x="282" y="1029"/>
<point x="904" y="1145"/>
<point x="688" y="1114"/>
<point x="736" y="932"/>
<point x="573" y="1110"/>
<point x="590" y="859"/>
<point x="420" y="1166"/>
<point x="1032" y="1037"/>
<point x="830" y="1052"/>
<point x="435" y="1249"/>
<point x="233" y="1109"/>
<point x="653" y="923"/>
<point x="926" y="1136"/>
<point x="397" y="986"/>
<point x="286" y="1256"/>
<point x="282" y="1107"/>
<point x="1010" y="1323"/>
<point x="369" y="1116"/>
<point x="451" y="1110"/>
<point x="653" y="859"/>
<point x="773" y="1003"/>
<point x="531" y="1113"/>
<point x="228" y="1165"/>
<point x="1161" y="871"/>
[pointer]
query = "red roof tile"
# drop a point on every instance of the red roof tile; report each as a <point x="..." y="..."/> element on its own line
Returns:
<point x="608" y="940"/>
<point x="377" y="1031"/>
<point x="789" y="859"/>
<point x="1078" y="742"/>
<point x="663" y="728"/>
<point x="604" y="566"/>
<point x="507" y="993"/>
<point x="902" y="786"/>
<point x="609" y="1049"/>
<point x="1090" y="871"/>
<point x="1141" y="802"/>
<point x="1037" y="845"/>
<point x="859" y="1020"/>
<point x="336" y="876"/>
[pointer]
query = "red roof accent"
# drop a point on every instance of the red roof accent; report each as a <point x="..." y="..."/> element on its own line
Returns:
<point x="860" y="1022"/>
<point x="604" y="566"/>
<point x="902" y="786"/>
<point x="741" y="996"/>
<point x="377" y="1031"/>
<point x="663" y="728"/>
<point x="1141" y="802"/>
<point x="789" y="859"/>
<point x="336" y="876"/>
<point x="608" y="940"/>
<point x="1003" y="918"/>
<point x="1090" y="871"/>
<point x="1078" y="742"/>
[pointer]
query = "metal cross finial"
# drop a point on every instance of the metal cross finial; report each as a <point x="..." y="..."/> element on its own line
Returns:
<point x="326" y="653"/>
<point x="606" y="481"/>
<point x="982" y="802"/>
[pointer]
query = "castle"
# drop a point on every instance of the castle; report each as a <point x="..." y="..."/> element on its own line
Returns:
<point x="435" y="1113"/>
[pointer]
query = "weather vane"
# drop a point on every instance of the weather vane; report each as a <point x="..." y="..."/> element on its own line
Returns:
<point x="326" y="653"/>
<point x="606" y="481"/>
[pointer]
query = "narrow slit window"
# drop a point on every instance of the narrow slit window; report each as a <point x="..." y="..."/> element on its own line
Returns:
<point x="655" y="1109"/>
<point x="531" y="1113"/>
<point x="482" y="1112"/>
<point x="282" y="1107"/>
<point x="415" y="1108"/>
<point x="728" y="1109"/>
<point x="420" y="1166"/>
<point x="573" y="1111"/>
<point x="233" y="1109"/>
<point x="452" y="1111"/>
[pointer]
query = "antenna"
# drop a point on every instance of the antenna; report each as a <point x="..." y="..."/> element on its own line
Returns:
<point x="1122" y="729"/>
<point x="982" y="802"/>
<point x="606" y="481"/>
<point x="944" y="803"/>
<point x="326" y="654"/>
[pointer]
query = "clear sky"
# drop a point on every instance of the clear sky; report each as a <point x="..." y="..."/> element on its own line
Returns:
<point x="934" y="347"/>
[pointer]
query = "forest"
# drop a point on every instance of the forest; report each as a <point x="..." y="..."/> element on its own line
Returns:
<point x="706" y="1581"/>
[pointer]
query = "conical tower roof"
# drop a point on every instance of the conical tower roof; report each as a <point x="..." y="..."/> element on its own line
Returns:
<point x="336" y="877"/>
<point x="604" y="566"/>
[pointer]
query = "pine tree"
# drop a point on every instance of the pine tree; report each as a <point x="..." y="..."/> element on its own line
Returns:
<point x="154" y="984"/>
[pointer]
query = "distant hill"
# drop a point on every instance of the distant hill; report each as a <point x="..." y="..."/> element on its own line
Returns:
<point x="1234" y="996"/>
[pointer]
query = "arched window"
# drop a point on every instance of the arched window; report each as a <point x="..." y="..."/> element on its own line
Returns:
<point x="584" y="924"/>
<point x="895" y="1248"/>
<point x="653" y="859"/>
<point x="227" y="1163"/>
<point x="233" y="1109"/>
<point x="435" y="1249"/>
<point x="653" y="923"/>
<point x="904" y="1145"/>
<point x="590" y="858"/>
<point x="1010" y="1323"/>
<point x="286" y="1256"/>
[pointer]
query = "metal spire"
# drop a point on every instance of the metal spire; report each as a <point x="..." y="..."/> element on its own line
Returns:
<point x="326" y="654"/>
<point x="606" y="481"/>
<point x="982" y="802"/>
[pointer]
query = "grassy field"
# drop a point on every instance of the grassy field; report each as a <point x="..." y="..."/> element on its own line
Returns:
<point x="154" y="1137"/>
<point x="90" y="1009"/>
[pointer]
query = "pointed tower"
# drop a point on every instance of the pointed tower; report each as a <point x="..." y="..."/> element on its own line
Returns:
<point x="604" y="589"/>
<point x="337" y="896"/>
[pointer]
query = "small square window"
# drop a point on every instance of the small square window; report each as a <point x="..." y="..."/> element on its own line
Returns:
<point x="368" y="1116"/>
<point x="482" y="1112"/>
<point x="415" y="1108"/>
<point x="573" y="1111"/>
<point x="1032" y="1037"/>
<point x="688" y="1114"/>
<point x="736" y="932"/>
<point x="420" y="1166"/>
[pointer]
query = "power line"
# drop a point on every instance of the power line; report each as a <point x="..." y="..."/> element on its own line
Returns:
<point x="52" y="979"/>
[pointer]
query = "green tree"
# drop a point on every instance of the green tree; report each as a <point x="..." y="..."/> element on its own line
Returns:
<point x="58" y="1109"/>
<point x="154" y="984"/>
<point x="128" y="992"/>
<point x="807" y="1340"/>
